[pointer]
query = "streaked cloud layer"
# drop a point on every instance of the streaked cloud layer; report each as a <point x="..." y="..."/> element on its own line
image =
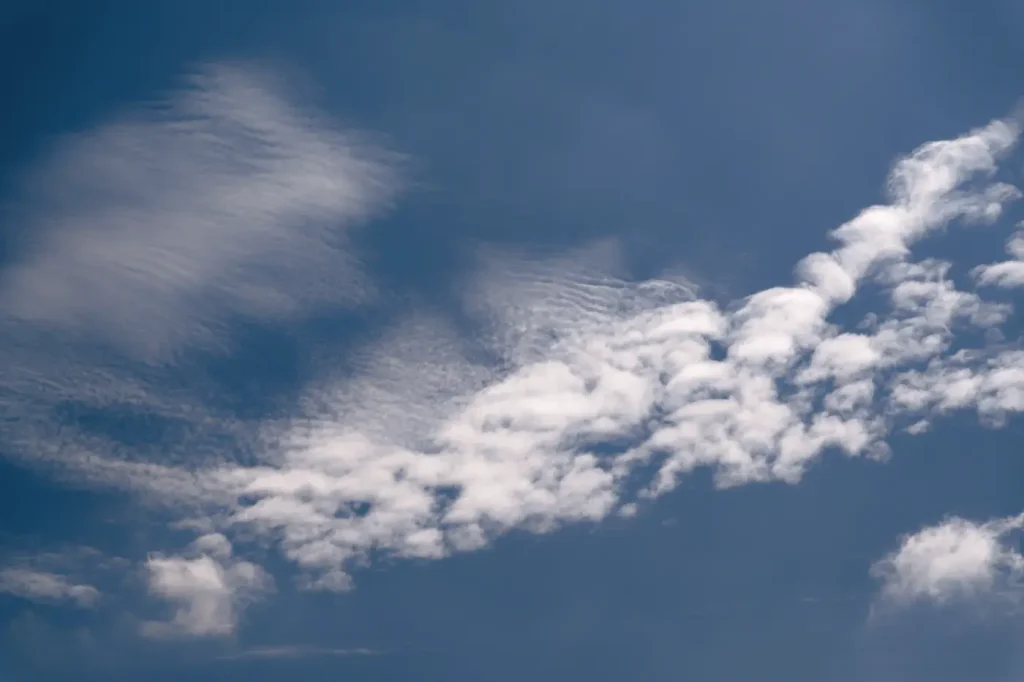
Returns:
<point x="142" y="244"/>
<point x="45" y="586"/>
<point x="580" y="393"/>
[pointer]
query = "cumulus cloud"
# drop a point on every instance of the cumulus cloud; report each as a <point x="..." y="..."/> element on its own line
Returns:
<point x="208" y="589"/>
<point x="956" y="558"/>
<point x="46" y="587"/>
<point x="606" y="386"/>
<point x="582" y="393"/>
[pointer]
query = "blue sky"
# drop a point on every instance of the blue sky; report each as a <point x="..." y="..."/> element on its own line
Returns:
<point x="561" y="340"/>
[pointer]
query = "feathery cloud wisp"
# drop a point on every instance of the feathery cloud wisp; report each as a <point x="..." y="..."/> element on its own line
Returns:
<point x="295" y="651"/>
<point x="143" y="241"/>
<point x="1008" y="273"/>
<point x="225" y="201"/>
<point x="46" y="587"/>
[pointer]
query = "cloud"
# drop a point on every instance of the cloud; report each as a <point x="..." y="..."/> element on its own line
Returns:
<point x="225" y="200"/>
<point x="208" y="589"/>
<point x="604" y="386"/>
<point x="1010" y="273"/>
<point x="141" y="244"/>
<point x="298" y="651"/>
<point x="954" y="559"/>
<point x="581" y="394"/>
<point x="46" y="587"/>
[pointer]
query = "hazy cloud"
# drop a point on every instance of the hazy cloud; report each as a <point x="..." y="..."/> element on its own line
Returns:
<point x="298" y="651"/>
<point x="153" y="231"/>
<point x="208" y="589"/>
<point x="46" y="587"/>
<point x="1008" y="273"/>
<point x="143" y="241"/>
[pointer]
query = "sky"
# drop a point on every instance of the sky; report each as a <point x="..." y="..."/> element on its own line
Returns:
<point x="554" y="340"/>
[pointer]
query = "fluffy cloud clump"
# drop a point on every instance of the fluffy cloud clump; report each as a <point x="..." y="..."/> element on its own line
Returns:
<point x="604" y="382"/>
<point x="581" y="394"/>
<point x="208" y="588"/>
<point x="954" y="559"/>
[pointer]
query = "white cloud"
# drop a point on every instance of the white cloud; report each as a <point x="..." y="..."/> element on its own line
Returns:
<point x="1009" y="273"/>
<point x="602" y="380"/>
<point x="142" y="241"/>
<point x="604" y="391"/>
<point x="46" y="587"/>
<point x="209" y="589"/>
<point x="226" y="200"/>
<point x="956" y="558"/>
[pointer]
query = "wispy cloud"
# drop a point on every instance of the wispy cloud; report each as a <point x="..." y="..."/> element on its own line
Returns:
<point x="43" y="586"/>
<point x="150" y="233"/>
<point x="144" y="241"/>
<point x="1008" y="273"/>
<point x="298" y="651"/>
<point x="954" y="559"/>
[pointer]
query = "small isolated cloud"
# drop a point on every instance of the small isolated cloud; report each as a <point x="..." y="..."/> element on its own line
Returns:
<point x="42" y="586"/>
<point x="1008" y="274"/>
<point x="298" y="651"/>
<point x="956" y="558"/>
<point x="208" y="589"/>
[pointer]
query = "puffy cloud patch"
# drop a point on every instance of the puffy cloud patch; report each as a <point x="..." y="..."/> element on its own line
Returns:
<point x="583" y="394"/>
<point x="602" y="382"/>
<point x="208" y="589"/>
<point x="956" y="558"/>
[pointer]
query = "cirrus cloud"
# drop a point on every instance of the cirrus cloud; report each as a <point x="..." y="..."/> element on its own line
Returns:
<point x="45" y="586"/>
<point x="225" y="200"/>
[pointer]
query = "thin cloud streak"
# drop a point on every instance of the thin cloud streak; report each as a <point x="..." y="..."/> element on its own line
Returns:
<point x="291" y="652"/>
<point x="1008" y="274"/>
<point x="46" y="587"/>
